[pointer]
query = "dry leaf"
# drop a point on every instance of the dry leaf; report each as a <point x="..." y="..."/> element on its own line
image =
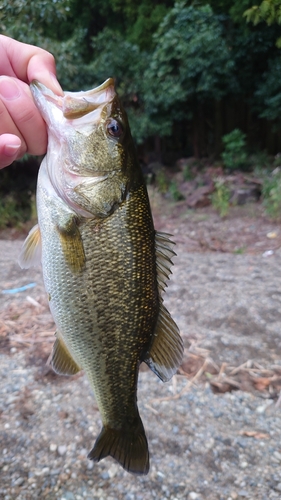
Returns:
<point x="255" y="434"/>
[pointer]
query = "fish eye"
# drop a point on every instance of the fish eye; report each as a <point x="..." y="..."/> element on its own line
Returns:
<point x="114" y="128"/>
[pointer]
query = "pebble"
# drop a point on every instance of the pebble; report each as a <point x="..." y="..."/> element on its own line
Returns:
<point x="90" y="465"/>
<point x="277" y="455"/>
<point x="62" y="450"/>
<point x="68" y="495"/>
<point x="199" y="447"/>
<point x="243" y="465"/>
<point x="105" y="475"/>
<point x="209" y="444"/>
<point x="19" y="481"/>
<point x="243" y="493"/>
<point x="112" y="471"/>
<point x="261" y="408"/>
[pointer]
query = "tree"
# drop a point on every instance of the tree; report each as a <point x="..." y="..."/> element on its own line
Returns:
<point x="191" y="64"/>
<point x="268" y="94"/>
<point x="180" y="69"/>
<point x="268" y="11"/>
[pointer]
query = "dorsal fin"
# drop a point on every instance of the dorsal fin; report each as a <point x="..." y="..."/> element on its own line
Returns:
<point x="166" y="351"/>
<point x="164" y="254"/>
<point x="31" y="251"/>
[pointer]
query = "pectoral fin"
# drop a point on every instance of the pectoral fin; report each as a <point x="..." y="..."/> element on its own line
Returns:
<point x="61" y="360"/>
<point x="166" y="352"/>
<point x="31" y="250"/>
<point x="72" y="244"/>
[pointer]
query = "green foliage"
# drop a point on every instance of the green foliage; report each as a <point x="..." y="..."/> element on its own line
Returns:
<point x="187" y="173"/>
<point x="190" y="63"/>
<point x="175" y="192"/>
<point x="30" y="21"/>
<point x="268" y="11"/>
<point x="220" y="197"/>
<point x="17" y="190"/>
<point x="8" y="213"/>
<point x="117" y="57"/>
<point x="162" y="181"/>
<point x="259" y="161"/>
<point x="147" y="21"/>
<point x="271" y="193"/>
<point x="238" y="8"/>
<point x="172" y="61"/>
<point x="234" y="155"/>
<point x="49" y="25"/>
<point x="268" y="94"/>
<point x="240" y="250"/>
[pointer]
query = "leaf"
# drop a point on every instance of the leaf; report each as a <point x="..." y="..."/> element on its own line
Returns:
<point x="255" y="434"/>
<point x="261" y="383"/>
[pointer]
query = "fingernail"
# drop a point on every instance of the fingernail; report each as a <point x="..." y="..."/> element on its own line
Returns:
<point x="56" y="84"/>
<point x="11" y="149"/>
<point x="9" y="89"/>
<point x="50" y="82"/>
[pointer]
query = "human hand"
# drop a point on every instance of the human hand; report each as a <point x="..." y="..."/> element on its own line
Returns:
<point x="22" y="129"/>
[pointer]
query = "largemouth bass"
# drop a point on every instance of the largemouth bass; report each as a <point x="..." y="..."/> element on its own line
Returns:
<point x="104" y="266"/>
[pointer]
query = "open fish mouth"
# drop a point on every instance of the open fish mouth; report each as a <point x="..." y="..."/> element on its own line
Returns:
<point x="72" y="105"/>
<point x="72" y="119"/>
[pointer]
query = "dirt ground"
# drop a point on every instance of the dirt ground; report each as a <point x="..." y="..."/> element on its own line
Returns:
<point x="214" y="431"/>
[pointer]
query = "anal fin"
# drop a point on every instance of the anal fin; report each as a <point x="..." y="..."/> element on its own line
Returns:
<point x="166" y="352"/>
<point x="61" y="360"/>
<point x="30" y="254"/>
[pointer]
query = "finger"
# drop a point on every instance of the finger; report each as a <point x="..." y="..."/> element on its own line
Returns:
<point x="8" y="125"/>
<point x="9" y="148"/>
<point x="28" y="63"/>
<point x="21" y="117"/>
<point x="38" y="70"/>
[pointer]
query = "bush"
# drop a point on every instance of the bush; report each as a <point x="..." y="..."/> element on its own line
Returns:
<point x="234" y="155"/>
<point x="221" y="197"/>
<point x="175" y="192"/>
<point x="271" y="194"/>
<point x="17" y="192"/>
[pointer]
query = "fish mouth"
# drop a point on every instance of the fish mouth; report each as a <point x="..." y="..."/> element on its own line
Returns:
<point x="72" y="105"/>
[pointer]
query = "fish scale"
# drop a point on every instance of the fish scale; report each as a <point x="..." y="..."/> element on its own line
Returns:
<point x="109" y="257"/>
<point x="104" y="266"/>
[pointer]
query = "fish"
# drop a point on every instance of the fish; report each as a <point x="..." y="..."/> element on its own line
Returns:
<point x="105" y="267"/>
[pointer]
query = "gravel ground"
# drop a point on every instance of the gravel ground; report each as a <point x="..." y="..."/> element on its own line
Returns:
<point x="202" y="445"/>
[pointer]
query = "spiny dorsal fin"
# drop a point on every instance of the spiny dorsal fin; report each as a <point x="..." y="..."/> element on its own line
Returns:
<point x="164" y="254"/>
<point x="30" y="254"/>
<point x="61" y="360"/>
<point x="166" y="352"/>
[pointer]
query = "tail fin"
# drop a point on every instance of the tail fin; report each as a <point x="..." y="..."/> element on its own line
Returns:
<point x="128" y="446"/>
